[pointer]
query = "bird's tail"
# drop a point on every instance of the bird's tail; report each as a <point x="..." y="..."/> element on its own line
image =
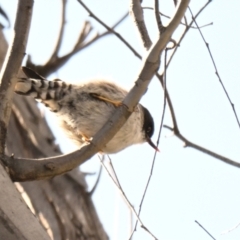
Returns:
<point x="38" y="87"/>
<point x="41" y="89"/>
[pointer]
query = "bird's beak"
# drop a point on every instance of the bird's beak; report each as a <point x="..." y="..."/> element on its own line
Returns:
<point x="152" y="144"/>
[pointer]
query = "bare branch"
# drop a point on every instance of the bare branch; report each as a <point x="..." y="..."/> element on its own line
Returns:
<point x="96" y="183"/>
<point x="205" y="230"/>
<point x="29" y="169"/>
<point x="119" y="187"/>
<point x="63" y="22"/>
<point x="158" y="17"/>
<point x="137" y="15"/>
<point x="12" y="64"/>
<point x="2" y="13"/>
<point x="158" y="140"/>
<point x="216" y="70"/>
<point x="231" y="229"/>
<point x="55" y="62"/>
<point x="160" y="77"/>
<point x="186" y="30"/>
<point x="185" y="24"/>
<point x="175" y="2"/>
<point x="204" y="150"/>
<point x="91" y="14"/>
<point x="165" y="37"/>
<point x="139" y="56"/>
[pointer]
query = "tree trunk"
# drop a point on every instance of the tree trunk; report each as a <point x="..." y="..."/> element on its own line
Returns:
<point x="62" y="205"/>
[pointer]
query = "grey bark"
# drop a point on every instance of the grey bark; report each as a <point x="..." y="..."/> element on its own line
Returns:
<point x="62" y="205"/>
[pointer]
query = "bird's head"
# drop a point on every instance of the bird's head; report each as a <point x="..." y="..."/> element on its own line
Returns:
<point x="148" y="128"/>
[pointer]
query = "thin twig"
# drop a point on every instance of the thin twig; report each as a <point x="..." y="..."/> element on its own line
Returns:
<point x="61" y="32"/>
<point x="2" y="13"/>
<point x="185" y="20"/>
<point x="54" y="63"/>
<point x="114" y="172"/>
<point x="160" y="77"/>
<point x="204" y="150"/>
<point x="170" y="104"/>
<point x="157" y="74"/>
<point x="91" y="14"/>
<point x="97" y="181"/>
<point x="98" y="36"/>
<point x="158" y="141"/>
<point x="175" y="2"/>
<point x="167" y="34"/>
<point x="186" y="31"/>
<point x="231" y="229"/>
<point x="119" y="187"/>
<point x="205" y="229"/>
<point x="111" y="30"/>
<point x="158" y="17"/>
<point x="13" y="60"/>
<point x="136" y="12"/>
<point x="185" y="24"/>
<point x="216" y="70"/>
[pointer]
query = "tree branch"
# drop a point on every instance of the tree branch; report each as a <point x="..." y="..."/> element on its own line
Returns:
<point x="165" y="37"/>
<point x="160" y="77"/>
<point x="137" y="15"/>
<point x="204" y="150"/>
<point x="91" y="14"/>
<point x="55" y="62"/>
<point x="185" y="24"/>
<point x="29" y="169"/>
<point x="186" y="30"/>
<point x="12" y="64"/>
<point x="158" y="17"/>
<point x="62" y="27"/>
<point x="216" y="70"/>
<point x="112" y="174"/>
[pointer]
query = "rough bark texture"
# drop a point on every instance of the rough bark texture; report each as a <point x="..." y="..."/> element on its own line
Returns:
<point x="16" y="220"/>
<point x="62" y="204"/>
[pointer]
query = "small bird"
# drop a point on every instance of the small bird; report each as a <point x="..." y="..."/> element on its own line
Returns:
<point x="85" y="107"/>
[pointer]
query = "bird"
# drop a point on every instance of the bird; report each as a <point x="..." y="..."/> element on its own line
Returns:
<point x="83" y="108"/>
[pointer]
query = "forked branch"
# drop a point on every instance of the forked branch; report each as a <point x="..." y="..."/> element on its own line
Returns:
<point x="30" y="169"/>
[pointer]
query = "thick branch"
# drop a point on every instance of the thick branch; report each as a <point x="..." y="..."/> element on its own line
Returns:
<point x="24" y="169"/>
<point x="12" y="64"/>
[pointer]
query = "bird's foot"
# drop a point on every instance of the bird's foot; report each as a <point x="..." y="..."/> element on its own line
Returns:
<point x="115" y="103"/>
<point x="86" y="139"/>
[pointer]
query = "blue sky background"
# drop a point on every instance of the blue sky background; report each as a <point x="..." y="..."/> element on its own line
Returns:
<point x="186" y="185"/>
